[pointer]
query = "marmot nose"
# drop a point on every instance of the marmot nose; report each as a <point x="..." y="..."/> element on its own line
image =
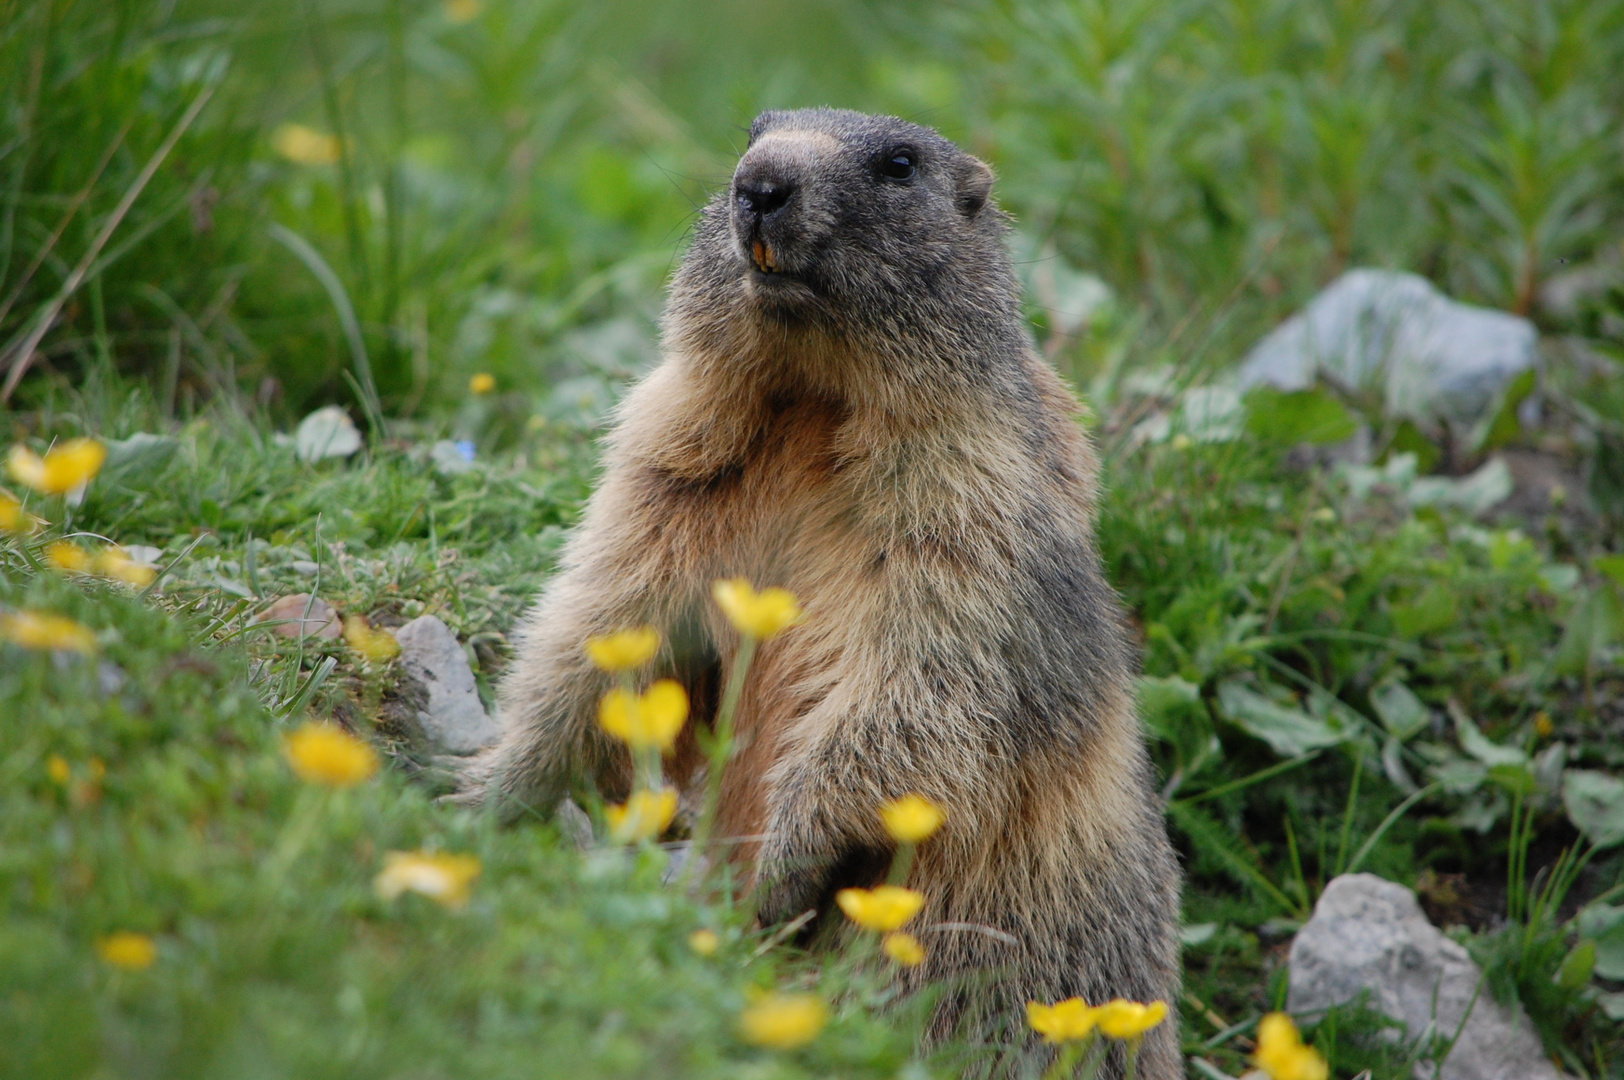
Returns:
<point x="762" y="197"/>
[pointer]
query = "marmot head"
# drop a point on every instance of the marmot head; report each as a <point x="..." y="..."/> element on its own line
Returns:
<point x="878" y="233"/>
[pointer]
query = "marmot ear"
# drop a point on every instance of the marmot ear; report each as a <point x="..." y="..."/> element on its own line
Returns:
<point x="975" y="185"/>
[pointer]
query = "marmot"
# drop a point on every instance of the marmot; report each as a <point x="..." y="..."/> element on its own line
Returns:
<point x="850" y="406"/>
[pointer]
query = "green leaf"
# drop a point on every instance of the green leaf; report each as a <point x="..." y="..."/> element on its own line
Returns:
<point x="1434" y="610"/>
<point x="1502" y="425"/>
<point x="1289" y="732"/>
<point x="1603" y="924"/>
<point x="1291" y="417"/>
<point x="1592" y="625"/>
<point x="1410" y="439"/>
<point x="1164" y="702"/>
<point x="1400" y="711"/>
<point x="1595" y="804"/>
<point x="1577" y="967"/>
<point x="1612" y="566"/>
<point x="1477" y="744"/>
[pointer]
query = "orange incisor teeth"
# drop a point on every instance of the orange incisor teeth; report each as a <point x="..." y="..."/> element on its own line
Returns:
<point x="764" y="257"/>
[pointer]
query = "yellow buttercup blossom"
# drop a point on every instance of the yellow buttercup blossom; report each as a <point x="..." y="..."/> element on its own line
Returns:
<point x="13" y="518"/>
<point x="66" y="555"/>
<point x="1123" y="1019"/>
<point x="911" y="818"/>
<point x="1064" y="1021"/>
<point x="305" y="145"/>
<point x="444" y="878"/>
<point x="64" y="467"/>
<point x="1281" y="1053"/>
<point x="128" y="950"/>
<point x="649" y="720"/>
<point x="40" y="630"/>
<point x="376" y="645"/>
<point x="1542" y="724"/>
<point x="624" y="650"/>
<point x="887" y="907"/>
<point x="904" y="948"/>
<point x="704" y="942"/>
<point x="114" y="562"/>
<point x="56" y="767"/>
<point x="761" y="615"/>
<point x="483" y="383"/>
<point x="783" y="1021"/>
<point x="325" y="754"/>
<point x="644" y="816"/>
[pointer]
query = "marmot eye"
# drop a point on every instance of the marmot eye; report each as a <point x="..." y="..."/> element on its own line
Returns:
<point x="898" y="165"/>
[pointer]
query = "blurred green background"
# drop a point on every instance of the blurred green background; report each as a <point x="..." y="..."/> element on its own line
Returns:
<point x="503" y="186"/>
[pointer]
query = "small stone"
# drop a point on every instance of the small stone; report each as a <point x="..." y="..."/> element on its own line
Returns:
<point x="573" y="824"/>
<point x="1368" y="934"/>
<point x="438" y="701"/>
<point x="294" y="619"/>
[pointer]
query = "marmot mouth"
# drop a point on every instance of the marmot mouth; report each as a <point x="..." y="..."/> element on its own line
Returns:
<point x="765" y="259"/>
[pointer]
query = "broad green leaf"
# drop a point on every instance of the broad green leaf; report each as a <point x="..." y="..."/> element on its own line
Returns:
<point x="1595" y="804"/>
<point x="1502" y="425"/>
<point x="1289" y="732"/>
<point x="1604" y="924"/>
<point x="1164" y="702"/>
<point x="1477" y="744"/>
<point x="1410" y="439"/>
<point x="1400" y="711"/>
<point x="1612" y="566"/>
<point x="1593" y="624"/>
<point x="1577" y="966"/>
<point x="1290" y="417"/>
<point x="1435" y="609"/>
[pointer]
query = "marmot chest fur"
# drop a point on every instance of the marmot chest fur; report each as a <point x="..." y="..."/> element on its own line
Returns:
<point x="849" y="406"/>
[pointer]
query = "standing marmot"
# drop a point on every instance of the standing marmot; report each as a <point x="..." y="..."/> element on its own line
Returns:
<point x="850" y="407"/>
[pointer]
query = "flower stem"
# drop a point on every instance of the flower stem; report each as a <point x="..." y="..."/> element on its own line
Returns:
<point x="720" y="746"/>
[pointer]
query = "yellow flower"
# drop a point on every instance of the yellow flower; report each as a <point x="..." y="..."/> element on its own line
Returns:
<point x="1542" y="724"/>
<point x="783" y="1021"/>
<point x="128" y="950"/>
<point x="625" y="650"/>
<point x="462" y="11"/>
<point x="39" y="630"/>
<point x="903" y="948"/>
<point x="887" y="907"/>
<point x="1064" y="1021"/>
<point x="651" y="720"/>
<point x="483" y="383"/>
<point x="1122" y="1019"/>
<point x="63" y="468"/>
<point x="305" y="145"/>
<point x="13" y="518"/>
<point x="114" y="562"/>
<point x="66" y="555"/>
<point x="376" y="645"/>
<point x="761" y="615"/>
<point x="643" y="817"/>
<point x="911" y="818"/>
<point x="1281" y="1053"/>
<point x="444" y="878"/>
<point x="704" y="942"/>
<point x="56" y="767"/>
<point x="324" y="754"/>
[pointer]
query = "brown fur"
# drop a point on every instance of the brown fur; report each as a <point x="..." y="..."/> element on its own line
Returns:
<point x="871" y="428"/>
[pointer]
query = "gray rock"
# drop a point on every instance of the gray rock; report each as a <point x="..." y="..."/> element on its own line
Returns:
<point x="438" y="701"/>
<point x="1370" y="934"/>
<point x="1395" y="335"/>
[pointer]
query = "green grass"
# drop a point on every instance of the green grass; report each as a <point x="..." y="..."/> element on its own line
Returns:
<point x="512" y="191"/>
